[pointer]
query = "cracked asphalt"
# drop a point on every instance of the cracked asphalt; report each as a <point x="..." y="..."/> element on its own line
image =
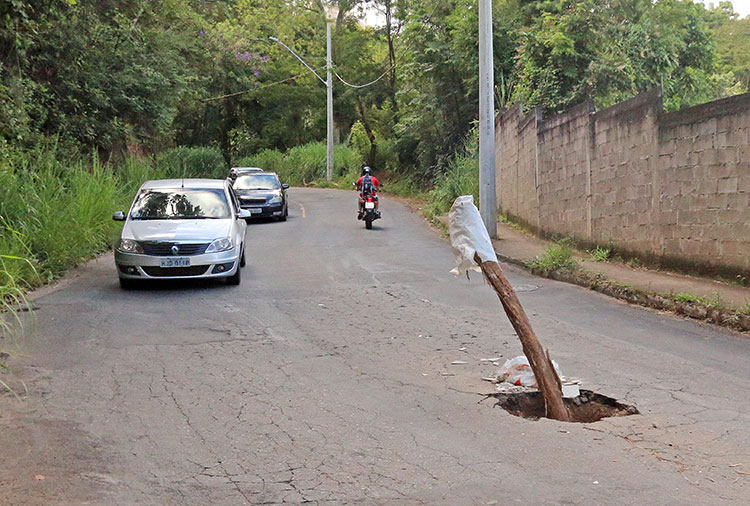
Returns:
<point x="326" y="378"/>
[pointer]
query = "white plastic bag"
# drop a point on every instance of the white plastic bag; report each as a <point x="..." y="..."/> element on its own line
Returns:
<point x="518" y="372"/>
<point x="468" y="235"/>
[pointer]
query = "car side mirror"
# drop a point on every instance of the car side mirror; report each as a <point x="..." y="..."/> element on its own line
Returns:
<point x="118" y="216"/>
<point x="285" y="186"/>
<point x="244" y="214"/>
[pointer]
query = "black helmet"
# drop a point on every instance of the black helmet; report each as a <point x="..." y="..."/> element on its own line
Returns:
<point x="366" y="170"/>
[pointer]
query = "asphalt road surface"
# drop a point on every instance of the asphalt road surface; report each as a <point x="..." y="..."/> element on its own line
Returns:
<point x="327" y="378"/>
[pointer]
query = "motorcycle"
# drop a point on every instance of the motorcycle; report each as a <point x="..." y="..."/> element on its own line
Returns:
<point x="368" y="205"/>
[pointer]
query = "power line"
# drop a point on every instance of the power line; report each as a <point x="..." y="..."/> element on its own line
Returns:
<point x="355" y="86"/>
<point x="364" y="85"/>
<point x="301" y="59"/>
<point x="259" y="87"/>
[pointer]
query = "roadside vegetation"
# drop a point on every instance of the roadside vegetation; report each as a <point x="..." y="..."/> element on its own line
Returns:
<point x="599" y="254"/>
<point x="557" y="257"/>
<point x="56" y="207"/>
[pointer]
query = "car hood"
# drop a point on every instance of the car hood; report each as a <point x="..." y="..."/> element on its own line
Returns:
<point x="258" y="193"/>
<point x="176" y="230"/>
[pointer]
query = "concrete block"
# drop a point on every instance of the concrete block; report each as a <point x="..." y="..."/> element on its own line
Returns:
<point x="707" y="127"/>
<point x="731" y="217"/>
<point x="728" y="185"/>
<point x="708" y="157"/>
<point x="739" y="137"/>
<point x="744" y="154"/>
<point x="723" y="139"/>
<point x="703" y="143"/>
<point x="735" y="248"/>
<point x="697" y="217"/>
<point x="729" y="155"/>
<point x="719" y="171"/>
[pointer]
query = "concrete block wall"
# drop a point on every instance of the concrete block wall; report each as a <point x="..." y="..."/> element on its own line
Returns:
<point x="564" y="171"/>
<point x="624" y="151"/>
<point x="671" y="187"/>
<point x="517" y="182"/>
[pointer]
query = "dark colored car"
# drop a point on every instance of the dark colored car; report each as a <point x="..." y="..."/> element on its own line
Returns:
<point x="263" y="194"/>
<point x="241" y="171"/>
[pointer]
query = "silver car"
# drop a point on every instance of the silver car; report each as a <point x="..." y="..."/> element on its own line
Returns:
<point x="182" y="228"/>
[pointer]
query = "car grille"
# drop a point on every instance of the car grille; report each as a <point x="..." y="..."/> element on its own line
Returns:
<point x="253" y="201"/>
<point x="171" y="272"/>
<point x="163" y="249"/>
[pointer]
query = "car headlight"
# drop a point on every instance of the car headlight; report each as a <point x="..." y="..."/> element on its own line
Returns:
<point x="275" y="200"/>
<point x="218" y="245"/>
<point x="130" y="246"/>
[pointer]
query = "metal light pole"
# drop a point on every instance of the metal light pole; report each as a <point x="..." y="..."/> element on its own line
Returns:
<point x="329" y="86"/>
<point x="487" y="190"/>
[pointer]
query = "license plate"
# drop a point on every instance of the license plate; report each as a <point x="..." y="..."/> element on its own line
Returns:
<point x="369" y="205"/>
<point x="255" y="210"/>
<point x="175" y="262"/>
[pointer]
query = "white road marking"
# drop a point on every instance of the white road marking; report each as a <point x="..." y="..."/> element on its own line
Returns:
<point x="302" y="208"/>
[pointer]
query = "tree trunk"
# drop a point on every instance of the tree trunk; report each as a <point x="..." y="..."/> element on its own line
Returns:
<point x="370" y="134"/>
<point x="227" y="123"/>
<point x="544" y="371"/>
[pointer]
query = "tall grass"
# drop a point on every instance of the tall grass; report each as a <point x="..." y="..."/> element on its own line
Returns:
<point x="183" y="162"/>
<point x="460" y="178"/>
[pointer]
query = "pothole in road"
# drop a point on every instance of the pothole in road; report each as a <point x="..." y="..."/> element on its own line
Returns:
<point x="586" y="408"/>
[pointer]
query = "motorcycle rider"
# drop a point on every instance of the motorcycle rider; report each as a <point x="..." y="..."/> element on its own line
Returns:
<point x="367" y="184"/>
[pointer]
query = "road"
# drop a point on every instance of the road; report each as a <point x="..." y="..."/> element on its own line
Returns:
<point x="326" y="378"/>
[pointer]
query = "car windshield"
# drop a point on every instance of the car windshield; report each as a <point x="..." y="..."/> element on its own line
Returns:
<point x="257" y="182"/>
<point x="179" y="204"/>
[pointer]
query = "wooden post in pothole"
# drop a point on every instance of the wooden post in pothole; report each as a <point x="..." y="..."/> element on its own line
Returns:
<point x="544" y="371"/>
<point x="473" y="246"/>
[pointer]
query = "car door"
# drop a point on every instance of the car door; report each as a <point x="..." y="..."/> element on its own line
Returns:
<point x="239" y="226"/>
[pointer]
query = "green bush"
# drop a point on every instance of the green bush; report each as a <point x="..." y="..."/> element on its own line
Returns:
<point x="268" y="159"/>
<point x="192" y="162"/>
<point x="306" y="164"/>
<point x="600" y="254"/>
<point x="557" y="257"/>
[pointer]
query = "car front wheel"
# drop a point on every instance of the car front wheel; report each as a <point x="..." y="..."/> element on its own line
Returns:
<point x="235" y="278"/>
<point x="128" y="284"/>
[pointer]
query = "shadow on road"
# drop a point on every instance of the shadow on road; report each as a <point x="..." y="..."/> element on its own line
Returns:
<point x="166" y="285"/>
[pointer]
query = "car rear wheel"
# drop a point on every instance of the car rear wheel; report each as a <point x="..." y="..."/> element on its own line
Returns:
<point x="235" y="278"/>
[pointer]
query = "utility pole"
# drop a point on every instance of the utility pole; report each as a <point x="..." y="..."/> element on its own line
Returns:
<point x="329" y="86"/>
<point x="487" y="191"/>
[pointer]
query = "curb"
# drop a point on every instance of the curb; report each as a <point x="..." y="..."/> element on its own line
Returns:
<point x="728" y="318"/>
